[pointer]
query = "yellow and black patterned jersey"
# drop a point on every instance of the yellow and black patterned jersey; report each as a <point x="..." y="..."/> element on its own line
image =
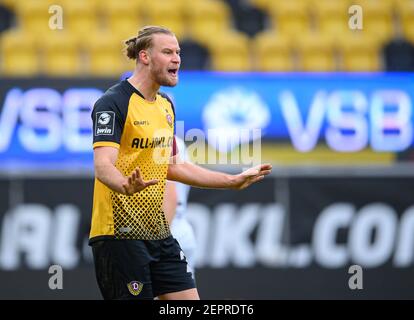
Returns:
<point x="143" y="132"/>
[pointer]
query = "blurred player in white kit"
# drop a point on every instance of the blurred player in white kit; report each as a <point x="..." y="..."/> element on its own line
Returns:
<point x="175" y="209"/>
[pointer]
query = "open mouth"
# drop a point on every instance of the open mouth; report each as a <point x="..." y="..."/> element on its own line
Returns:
<point x="173" y="72"/>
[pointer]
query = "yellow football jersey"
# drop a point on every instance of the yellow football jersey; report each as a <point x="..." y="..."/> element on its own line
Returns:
<point x="143" y="131"/>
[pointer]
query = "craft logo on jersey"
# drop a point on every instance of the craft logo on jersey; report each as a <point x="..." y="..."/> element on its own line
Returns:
<point x="169" y="120"/>
<point x="105" y="121"/>
<point x="141" y="123"/>
<point x="135" y="287"/>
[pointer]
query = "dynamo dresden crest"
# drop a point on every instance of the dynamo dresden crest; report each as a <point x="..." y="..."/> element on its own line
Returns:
<point x="169" y="120"/>
<point x="135" y="287"/>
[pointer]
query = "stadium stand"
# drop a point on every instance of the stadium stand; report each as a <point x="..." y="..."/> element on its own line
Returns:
<point x="230" y="52"/>
<point x="19" y="54"/>
<point x="272" y="52"/>
<point x="316" y="52"/>
<point x="227" y="35"/>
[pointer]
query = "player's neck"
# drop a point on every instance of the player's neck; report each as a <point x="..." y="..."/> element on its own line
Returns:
<point x="145" y="85"/>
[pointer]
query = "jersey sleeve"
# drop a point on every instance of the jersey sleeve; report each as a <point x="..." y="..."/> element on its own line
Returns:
<point x="108" y="123"/>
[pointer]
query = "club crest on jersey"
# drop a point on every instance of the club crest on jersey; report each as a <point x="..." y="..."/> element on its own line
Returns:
<point x="105" y="121"/>
<point x="169" y="120"/>
<point x="135" y="287"/>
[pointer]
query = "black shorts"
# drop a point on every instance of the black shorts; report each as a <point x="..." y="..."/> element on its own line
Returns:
<point x="140" y="269"/>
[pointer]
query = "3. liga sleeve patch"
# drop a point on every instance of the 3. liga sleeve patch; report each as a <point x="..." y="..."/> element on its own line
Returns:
<point x="105" y="123"/>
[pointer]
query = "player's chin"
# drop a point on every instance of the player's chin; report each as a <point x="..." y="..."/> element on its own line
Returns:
<point x="170" y="82"/>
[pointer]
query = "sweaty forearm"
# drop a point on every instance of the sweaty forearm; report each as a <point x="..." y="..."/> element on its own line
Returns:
<point x="110" y="176"/>
<point x="197" y="176"/>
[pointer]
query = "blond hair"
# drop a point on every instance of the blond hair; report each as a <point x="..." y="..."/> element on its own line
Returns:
<point x="143" y="40"/>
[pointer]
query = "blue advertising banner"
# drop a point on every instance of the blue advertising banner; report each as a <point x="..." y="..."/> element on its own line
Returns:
<point x="47" y="121"/>
<point x="350" y="112"/>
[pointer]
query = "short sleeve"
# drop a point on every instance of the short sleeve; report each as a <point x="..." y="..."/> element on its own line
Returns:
<point x="108" y="123"/>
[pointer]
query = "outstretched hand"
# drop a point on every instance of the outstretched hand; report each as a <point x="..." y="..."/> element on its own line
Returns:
<point x="252" y="175"/>
<point x="134" y="183"/>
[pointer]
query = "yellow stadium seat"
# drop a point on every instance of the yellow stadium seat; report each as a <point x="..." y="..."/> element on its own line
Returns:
<point x="120" y="35"/>
<point x="375" y="38"/>
<point x="230" y="52"/>
<point x="373" y="8"/>
<point x="19" y="54"/>
<point x="409" y="31"/>
<point x="377" y="17"/>
<point x="61" y="55"/>
<point x="106" y="57"/>
<point x="207" y="18"/>
<point x="331" y="16"/>
<point x="290" y="17"/>
<point x="392" y="3"/>
<point x="166" y="14"/>
<point x="360" y="53"/>
<point x="405" y="9"/>
<point x="80" y="16"/>
<point x="316" y="52"/>
<point x="34" y="16"/>
<point x="122" y="15"/>
<point x="380" y="30"/>
<point x="273" y="52"/>
<point x="121" y="32"/>
<point x="402" y="6"/>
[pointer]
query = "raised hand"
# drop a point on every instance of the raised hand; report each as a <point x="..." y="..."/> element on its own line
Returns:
<point x="134" y="183"/>
<point x="252" y="175"/>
